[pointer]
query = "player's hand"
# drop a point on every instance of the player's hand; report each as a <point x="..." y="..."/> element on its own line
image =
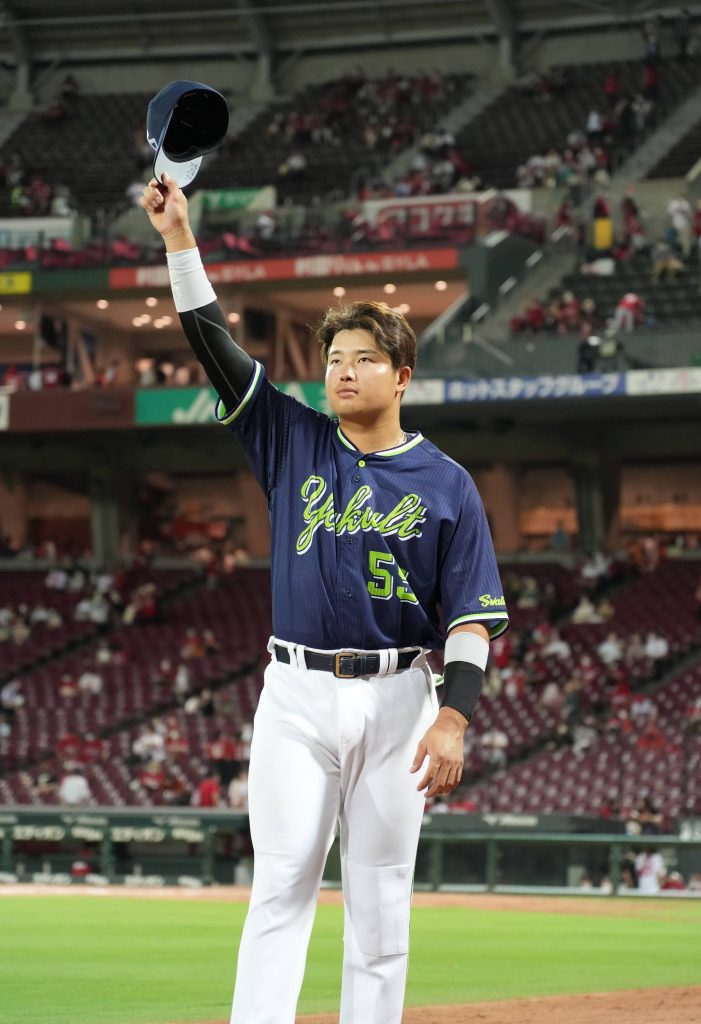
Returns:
<point x="443" y="745"/>
<point x="166" y="206"/>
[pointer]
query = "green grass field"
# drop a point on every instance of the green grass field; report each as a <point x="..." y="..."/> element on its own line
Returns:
<point x="91" y="960"/>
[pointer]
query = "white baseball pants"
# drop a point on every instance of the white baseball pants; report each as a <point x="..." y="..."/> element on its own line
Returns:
<point x="328" y="750"/>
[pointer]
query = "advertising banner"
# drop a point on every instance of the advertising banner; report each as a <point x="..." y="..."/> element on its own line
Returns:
<point x="589" y="385"/>
<point x="214" y="200"/>
<point x="4" y="411"/>
<point x="179" y="406"/>
<point x="19" y="283"/>
<point x="337" y="266"/>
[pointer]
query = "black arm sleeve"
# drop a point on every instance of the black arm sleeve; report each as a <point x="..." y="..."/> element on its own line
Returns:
<point x="226" y="364"/>
<point x="462" y="685"/>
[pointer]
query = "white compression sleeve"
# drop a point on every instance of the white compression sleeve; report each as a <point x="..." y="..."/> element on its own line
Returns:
<point x="466" y="647"/>
<point x="188" y="280"/>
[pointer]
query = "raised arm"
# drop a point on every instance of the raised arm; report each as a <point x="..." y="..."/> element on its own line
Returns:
<point x="226" y="364"/>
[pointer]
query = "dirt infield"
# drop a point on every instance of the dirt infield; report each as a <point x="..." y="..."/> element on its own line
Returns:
<point x="638" y="1006"/>
<point x="641" y="1006"/>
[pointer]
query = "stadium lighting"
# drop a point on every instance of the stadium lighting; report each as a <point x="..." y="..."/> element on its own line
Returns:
<point x="339" y="291"/>
<point x="102" y="304"/>
<point x="234" y="318"/>
<point x="20" y="325"/>
<point x="389" y="289"/>
<point x="441" y="286"/>
<point x="151" y="301"/>
<point x="403" y="308"/>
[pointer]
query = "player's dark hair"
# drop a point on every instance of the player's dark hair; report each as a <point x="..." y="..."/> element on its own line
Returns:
<point x="391" y="330"/>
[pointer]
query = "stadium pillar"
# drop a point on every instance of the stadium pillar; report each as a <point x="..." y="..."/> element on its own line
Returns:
<point x="590" y="506"/>
<point x="104" y="489"/>
<point x="21" y="98"/>
<point x="13" y="508"/>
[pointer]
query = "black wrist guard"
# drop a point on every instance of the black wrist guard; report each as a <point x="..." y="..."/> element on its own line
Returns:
<point x="462" y="685"/>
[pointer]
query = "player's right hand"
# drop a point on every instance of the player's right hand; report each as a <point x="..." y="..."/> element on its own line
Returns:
<point x="165" y="205"/>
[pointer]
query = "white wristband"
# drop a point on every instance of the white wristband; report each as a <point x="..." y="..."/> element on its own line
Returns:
<point x="466" y="647"/>
<point x="188" y="281"/>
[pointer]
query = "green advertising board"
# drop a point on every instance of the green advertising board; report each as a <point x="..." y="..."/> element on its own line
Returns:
<point x="236" y="199"/>
<point x="187" y="406"/>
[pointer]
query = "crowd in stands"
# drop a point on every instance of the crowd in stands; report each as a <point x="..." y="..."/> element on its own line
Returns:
<point x="600" y="330"/>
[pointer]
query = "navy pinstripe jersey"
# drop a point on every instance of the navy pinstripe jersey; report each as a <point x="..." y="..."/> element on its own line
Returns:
<point x="368" y="550"/>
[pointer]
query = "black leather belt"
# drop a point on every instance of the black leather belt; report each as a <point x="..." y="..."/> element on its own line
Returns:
<point x="346" y="664"/>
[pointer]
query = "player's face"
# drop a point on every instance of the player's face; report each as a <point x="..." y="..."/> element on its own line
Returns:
<point x="360" y="380"/>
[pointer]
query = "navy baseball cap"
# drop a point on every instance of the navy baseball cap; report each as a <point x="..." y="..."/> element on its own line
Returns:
<point x="184" y="121"/>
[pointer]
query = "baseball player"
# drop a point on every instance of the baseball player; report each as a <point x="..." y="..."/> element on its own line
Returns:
<point x="380" y="548"/>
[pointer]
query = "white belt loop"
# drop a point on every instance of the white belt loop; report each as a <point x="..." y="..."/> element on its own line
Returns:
<point x="297" y="653"/>
<point x="393" y="658"/>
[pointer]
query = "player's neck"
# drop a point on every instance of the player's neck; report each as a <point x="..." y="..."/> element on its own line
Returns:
<point x="373" y="437"/>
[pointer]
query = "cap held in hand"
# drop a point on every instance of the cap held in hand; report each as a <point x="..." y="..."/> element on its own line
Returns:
<point x="185" y="121"/>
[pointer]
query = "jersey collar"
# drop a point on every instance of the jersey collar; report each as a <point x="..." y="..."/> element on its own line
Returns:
<point x="390" y="452"/>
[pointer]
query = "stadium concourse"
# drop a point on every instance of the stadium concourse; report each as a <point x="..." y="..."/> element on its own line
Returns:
<point x="534" y="213"/>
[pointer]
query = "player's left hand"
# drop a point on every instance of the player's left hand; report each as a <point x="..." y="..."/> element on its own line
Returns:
<point x="443" y="745"/>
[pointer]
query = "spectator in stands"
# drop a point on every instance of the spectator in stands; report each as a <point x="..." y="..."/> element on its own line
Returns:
<point x="681" y="223"/>
<point x="650" y="869"/>
<point x="557" y="647"/>
<point x="629" y="312"/>
<point x="585" y="613"/>
<point x="595" y="127"/>
<point x="656" y="648"/>
<point x="149" y="744"/>
<point x="152" y="778"/>
<point x="633" y="230"/>
<point x="192" y="646"/>
<point x="210" y="643"/>
<point x="181" y="683"/>
<point x="176" y="744"/>
<point x="646" y="818"/>
<point x="164" y="676"/>
<point x="642" y="710"/>
<point x="68" y="686"/>
<point x="611" y="649"/>
<point x="90" y="681"/>
<point x="529" y="594"/>
<point x="237" y="792"/>
<point x="584" y="734"/>
<point x="45" y="781"/>
<point x="94" y="748"/>
<point x="208" y="793"/>
<point x="246" y="735"/>
<point x="559" y="538"/>
<point x="693" y="716"/>
<point x="551" y="697"/>
<point x="223" y="753"/>
<point x="652" y="739"/>
<point x="11" y="699"/>
<point x="635" y="650"/>
<point x="650" y="81"/>
<point x="74" y="790"/>
<point x="612" y="88"/>
<point x="666" y="265"/>
<point x="494" y="743"/>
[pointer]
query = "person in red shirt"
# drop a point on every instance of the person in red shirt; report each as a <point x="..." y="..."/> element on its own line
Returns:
<point x="652" y="738"/>
<point x="612" y="88"/>
<point x="209" y="791"/>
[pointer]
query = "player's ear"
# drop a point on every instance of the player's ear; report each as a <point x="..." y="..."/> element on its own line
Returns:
<point x="403" y="378"/>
